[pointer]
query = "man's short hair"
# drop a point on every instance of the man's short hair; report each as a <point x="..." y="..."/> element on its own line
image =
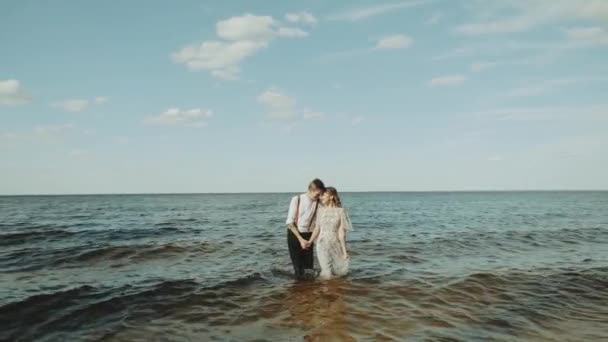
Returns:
<point x="317" y="183"/>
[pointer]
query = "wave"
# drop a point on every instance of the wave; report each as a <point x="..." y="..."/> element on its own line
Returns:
<point x="467" y="242"/>
<point x="38" y="234"/>
<point x="252" y="206"/>
<point x="502" y="303"/>
<point x="31" y="259"/>
<point x="87" y="307"/>
<point x="31" y="318"/>
<point x="139" y="233"/>
<point x="505" y="303"/>
<point x="18" y="238"/>
<point x="181" y="222"/>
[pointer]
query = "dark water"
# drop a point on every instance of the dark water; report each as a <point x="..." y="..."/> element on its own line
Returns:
<point x="425" y="266"/>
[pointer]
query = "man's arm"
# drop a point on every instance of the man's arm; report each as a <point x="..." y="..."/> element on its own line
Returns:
<point x="291" y="217"/>
<point x="296" y="232"/>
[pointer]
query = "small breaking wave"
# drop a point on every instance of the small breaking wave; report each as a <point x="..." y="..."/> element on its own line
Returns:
<point x="88" y="307"/>
<point x="19" y="238"/>
<point x="33" y="259"/>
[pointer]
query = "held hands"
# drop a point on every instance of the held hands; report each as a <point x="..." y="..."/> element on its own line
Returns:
<point x="305" y="244"/>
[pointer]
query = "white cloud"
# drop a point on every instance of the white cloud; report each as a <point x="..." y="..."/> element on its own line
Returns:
<point x="396" y="41"/>
<point x="227" y="74"/>
<point x="392" y="42"/>
<point x="283" y="108"/>
<point x="511" y="25"/>
<point x="356" y="120"/>
<point x="434" y="19"/>
<point x="77" y="153"/>
<point x="176" y="117"/>
<point x="222" y="59"/>
<point x="568" y="147"/>
<point x="495" y="158"/>
<point x="449" y="80"/>
<point x="122" y="140"/>
<point x="589" y="121"/>
<point x="591" y="35"/>
<point x="44" y="133"/>
<point x="8" y="136"/>
<point x="312" y="115"/>
<point x="53" y="130"/>
<point x="301" y="18"/>
<point x="278" y="105"/>
<point x="482" y="66"/>
<point x="356" y="14"/>
<point x="527" y="91"/>
<point x="12" y="93"/>
<point x="101" y="100"/>
<point x="497" y="17"/>
<point x="72" y="105"/>
<point x="247" y="27"/>
<point x="351" y="119"/>
<point x="529" y="52"/>
<point x="541" y="88"/>
<point x="78" y="105"/>
<point x="291" y="32"/>
<point x="551" y="85"/>
<point x="527" y="113"/>
<point x="339" y="55"/>
<point x="455" y="53"/>
<point x="239" y="38"/>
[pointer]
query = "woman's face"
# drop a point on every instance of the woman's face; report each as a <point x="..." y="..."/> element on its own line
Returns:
<point x="325" y="198"/>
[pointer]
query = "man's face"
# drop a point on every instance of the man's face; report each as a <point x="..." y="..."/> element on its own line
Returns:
<point x="315" y="192"/>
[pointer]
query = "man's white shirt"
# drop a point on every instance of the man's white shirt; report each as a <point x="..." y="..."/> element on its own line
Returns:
<point x="307" y="208"/>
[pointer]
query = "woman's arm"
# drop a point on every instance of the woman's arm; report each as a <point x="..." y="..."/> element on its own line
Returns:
<point x="314" y="226"/>
<point x="315" y="234"/>
<point x="342" y="233"/>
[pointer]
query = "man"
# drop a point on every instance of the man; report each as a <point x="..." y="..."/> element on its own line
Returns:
<point x="302" y="211"/>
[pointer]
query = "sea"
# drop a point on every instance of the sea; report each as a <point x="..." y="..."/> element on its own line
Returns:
<point x="428" y="266"/>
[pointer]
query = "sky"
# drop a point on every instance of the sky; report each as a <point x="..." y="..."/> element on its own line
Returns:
<point x="262" y="96"/>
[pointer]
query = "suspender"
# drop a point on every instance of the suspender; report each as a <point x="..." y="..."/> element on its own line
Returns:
<point x="312" y="217"/>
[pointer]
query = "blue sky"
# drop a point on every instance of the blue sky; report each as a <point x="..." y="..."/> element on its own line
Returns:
<point x="240" y="96"/>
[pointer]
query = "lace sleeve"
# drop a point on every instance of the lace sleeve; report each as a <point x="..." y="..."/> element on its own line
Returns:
<point x="345" y="221"/>
<point x="314" y="223"/>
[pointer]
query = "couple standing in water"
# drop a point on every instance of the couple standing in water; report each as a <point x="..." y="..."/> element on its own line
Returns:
<point x="318" y="215"/>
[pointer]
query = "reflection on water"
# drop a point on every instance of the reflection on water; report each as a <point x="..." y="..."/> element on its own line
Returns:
<point x="319" y="309"/>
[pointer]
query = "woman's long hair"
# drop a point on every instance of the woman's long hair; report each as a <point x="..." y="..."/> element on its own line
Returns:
<point x="334" y="198"/>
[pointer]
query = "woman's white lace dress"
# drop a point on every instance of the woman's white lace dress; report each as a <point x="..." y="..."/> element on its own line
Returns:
<point x="331" y="259"/>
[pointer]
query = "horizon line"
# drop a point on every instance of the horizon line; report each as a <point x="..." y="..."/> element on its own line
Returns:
<point x="296" y="192"/>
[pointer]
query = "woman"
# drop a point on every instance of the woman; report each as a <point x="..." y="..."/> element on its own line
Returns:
<point x="330" y="228"/>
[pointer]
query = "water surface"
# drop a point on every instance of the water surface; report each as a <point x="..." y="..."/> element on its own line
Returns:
<point x="425" y="266"/>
